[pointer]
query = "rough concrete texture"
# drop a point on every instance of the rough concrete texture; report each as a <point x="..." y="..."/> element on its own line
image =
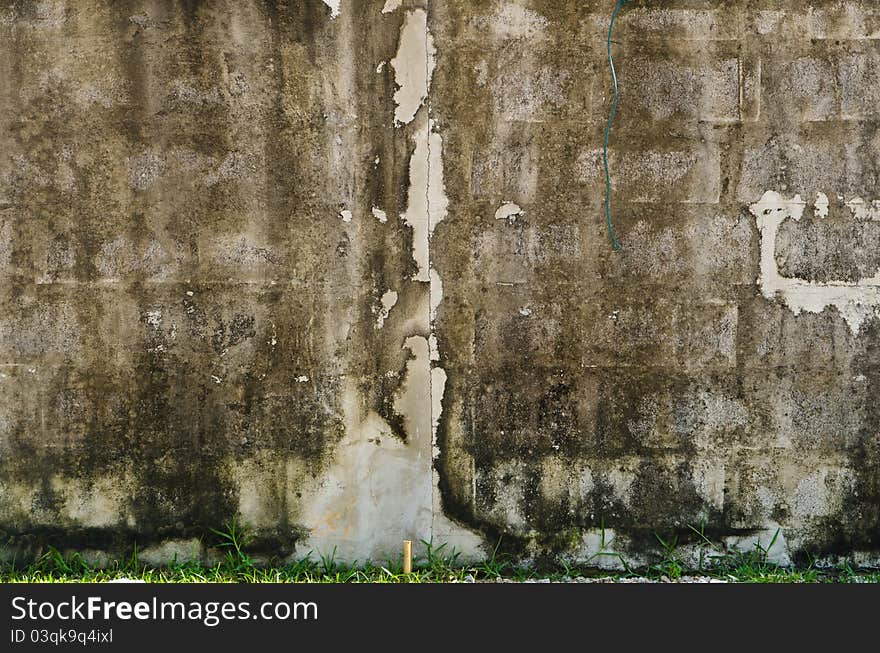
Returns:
<point x="340" y="269"/>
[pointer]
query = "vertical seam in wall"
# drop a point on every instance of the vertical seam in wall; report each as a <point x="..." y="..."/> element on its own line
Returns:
<point x="430" y="407"/>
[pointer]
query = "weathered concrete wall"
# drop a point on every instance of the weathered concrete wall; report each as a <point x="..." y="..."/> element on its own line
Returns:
<point x="339" y="267"/>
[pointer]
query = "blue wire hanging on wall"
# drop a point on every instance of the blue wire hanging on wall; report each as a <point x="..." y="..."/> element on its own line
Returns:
<point x="614" y="243"/>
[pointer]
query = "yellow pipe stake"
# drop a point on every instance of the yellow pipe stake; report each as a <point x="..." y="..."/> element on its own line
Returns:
<point x="407" y="556"/>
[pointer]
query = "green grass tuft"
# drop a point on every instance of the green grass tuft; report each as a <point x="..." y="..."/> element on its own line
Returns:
<point x="438" y="564"/>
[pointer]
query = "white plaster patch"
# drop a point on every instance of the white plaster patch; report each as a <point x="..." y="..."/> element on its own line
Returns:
<point x="302" y="378"/>
<point x="855" y="301"/>
<point x="388" y="300"/>
<point x="416" y="214"/>
<point x="379" y="214"/>
<point x="508" y="211"/>
<point x="375" y="494"/>
<point x="391" y="5"/>
<point x="334" y="7"/>
<point x="345" y="215"/>
<point x="413" y="66"/>
<point x="771" y="540"/>
<point x="821" y="205"/>
<point x="426" y="200"/>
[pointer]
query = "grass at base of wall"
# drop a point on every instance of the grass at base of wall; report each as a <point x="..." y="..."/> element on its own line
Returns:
<point x="438" y="565"/>
<point x="52" y="567"/>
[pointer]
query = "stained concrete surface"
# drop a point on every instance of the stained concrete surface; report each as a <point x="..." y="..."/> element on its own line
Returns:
<point x="340" y="269"/>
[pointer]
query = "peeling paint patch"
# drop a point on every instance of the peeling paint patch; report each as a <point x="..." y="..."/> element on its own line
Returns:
<point x="345" y="215"/>
<point x="388" y="301"/>
<point x="413" y="66"/>
<point x="391" y="5"/>
<point x="855" y="301"/>
<point x="821" y="206"/>
<point x="417" y="209"/>
<point x="508" y="211"/>
<point x="426" y="202"/>
<point x="334" y="7"/>
<point x="379" y="214"/>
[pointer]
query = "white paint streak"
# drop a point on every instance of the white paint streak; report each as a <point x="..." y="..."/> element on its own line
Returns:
<point x="426" y="201"/>
<point x="855" y="301"/>
<point x="417" y="215"/>
<point x="334" y="7"/>
<point x="413" y="66"/>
